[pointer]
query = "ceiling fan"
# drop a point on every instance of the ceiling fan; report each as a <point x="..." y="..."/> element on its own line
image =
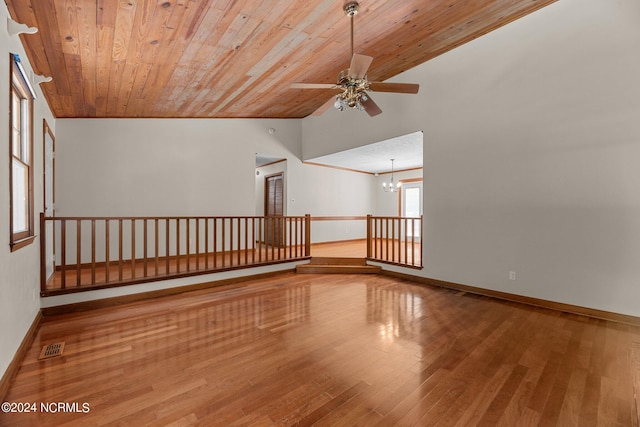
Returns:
<point x="353" y="82"/>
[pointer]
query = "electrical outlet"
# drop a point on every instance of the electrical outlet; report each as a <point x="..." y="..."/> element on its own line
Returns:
<point x="512" y="275"/>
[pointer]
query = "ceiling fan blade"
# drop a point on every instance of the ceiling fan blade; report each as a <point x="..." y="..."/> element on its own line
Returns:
<point x="312" y="86"/>
<point x="359" y="65"/>
<point x="394" y="87"/>
<point x="324" y="107"/>
<point x="371" y="107"/>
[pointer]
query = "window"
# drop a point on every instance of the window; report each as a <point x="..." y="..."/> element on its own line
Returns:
<point x="411" y="202"/>
<point x="21" y="158"/>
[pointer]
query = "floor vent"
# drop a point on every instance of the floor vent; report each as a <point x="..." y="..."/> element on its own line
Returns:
<point x="51" y="350"/>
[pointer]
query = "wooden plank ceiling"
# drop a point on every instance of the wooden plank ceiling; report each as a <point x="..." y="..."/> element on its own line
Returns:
<point x="233" y="58"/>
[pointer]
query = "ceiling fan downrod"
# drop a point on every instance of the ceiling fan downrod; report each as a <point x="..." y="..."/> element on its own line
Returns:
<point x="351" y="9"/>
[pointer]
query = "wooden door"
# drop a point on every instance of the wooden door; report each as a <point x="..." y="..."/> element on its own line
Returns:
<point x="274" y="209"/>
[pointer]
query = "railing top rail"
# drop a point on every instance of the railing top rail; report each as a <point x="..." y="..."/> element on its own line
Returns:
<point x="339" y="218"/>
<point x="395" y="217"/>
<point x="116" y="218"/>
<point x="182" y="217"/>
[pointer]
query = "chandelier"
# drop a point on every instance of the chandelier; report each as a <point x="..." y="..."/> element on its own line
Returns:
<point x="391" y="187"/>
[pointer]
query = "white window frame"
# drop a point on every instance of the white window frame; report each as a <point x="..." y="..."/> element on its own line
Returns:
<point x="21" y="201"/>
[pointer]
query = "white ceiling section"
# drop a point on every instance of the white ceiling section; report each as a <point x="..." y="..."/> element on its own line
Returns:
<point x="406" y="150"/>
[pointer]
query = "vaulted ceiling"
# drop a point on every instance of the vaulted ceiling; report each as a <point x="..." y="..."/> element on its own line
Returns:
<point x="233" y="58"/>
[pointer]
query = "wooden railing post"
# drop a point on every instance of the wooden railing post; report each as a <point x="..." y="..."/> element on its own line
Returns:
<point x="78" y="252"/>
<point x="369" y="236"/>
<point x="43" y="253"/>
<point x="307" y="235"/>
<point x="421" y="237"/>
<point x="63" y="254"/>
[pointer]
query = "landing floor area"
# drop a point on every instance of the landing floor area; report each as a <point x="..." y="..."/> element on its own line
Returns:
<point x="87" y="276"/>
<point x="329" y="350"/>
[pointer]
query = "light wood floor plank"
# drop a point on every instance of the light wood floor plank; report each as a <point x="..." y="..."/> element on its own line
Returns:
<point x="330" y="350"/>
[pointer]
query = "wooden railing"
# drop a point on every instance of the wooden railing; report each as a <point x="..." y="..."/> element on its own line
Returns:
<point x="99" y="252"/>
<point x="395" y="240"/>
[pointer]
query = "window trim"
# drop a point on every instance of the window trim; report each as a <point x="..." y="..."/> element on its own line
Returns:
<point x="19" y="83"/>
<point x="46" y="131"/>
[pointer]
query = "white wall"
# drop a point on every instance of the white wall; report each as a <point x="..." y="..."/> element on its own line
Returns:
<point x="325" y="191"/>
<point x="154" y="167"/>
<point x="19" y="271"/>
<point x="531" y="148"/>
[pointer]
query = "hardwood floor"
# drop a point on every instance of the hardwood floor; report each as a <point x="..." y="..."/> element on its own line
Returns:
<point x="358" y="249"/>
<point x="329" y="350"/>
<point x="350" y="248"/>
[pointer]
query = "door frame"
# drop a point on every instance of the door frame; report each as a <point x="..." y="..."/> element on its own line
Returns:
<point x="50" y="233"/>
